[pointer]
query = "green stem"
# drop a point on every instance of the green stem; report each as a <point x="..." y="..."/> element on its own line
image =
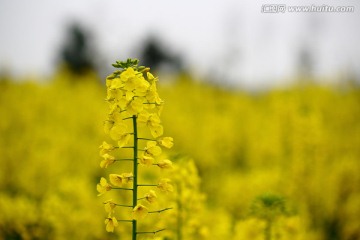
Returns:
<point x="162" y="210"/>
<point x="127" y="118"/>
<point x="154" y="232"/>
<point x="147" y="185"/>
<point x="135" y="166"/>
<point x="122" y="205"/>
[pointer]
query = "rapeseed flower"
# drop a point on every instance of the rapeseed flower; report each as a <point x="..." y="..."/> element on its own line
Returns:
<point x="167" y="142"/>
<point x="152" y="149"/>
<point x="152" y="121"/>
<point x="137" y="84"/>
<point x="124" y="140"/>
<point x="108" y="160"/>
<point x="116" y="83"/>
<point x="119" y="180"/>
<point x="151" y="196"/>
<point x="151" y="77"/>
<point x="135" y="106"/>
<point x="156" y="131"/>
<point x="118" y="130"/>
<point x="133" y="101"/>
<point x="127" y="74"/>
<point x="109" y="206"/>
<point x="165" y="164"/>
<point x="106" y="148"/>
<point x="152" y="96"/>
<point x="120" y="133"/>
<point x="111" y="223"/>
<point x="103" y="186"/>
<point x="140" y="212"/>
<point x="146" y="160"/>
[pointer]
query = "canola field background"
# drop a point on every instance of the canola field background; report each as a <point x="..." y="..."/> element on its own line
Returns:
<point x="278" y="164"/>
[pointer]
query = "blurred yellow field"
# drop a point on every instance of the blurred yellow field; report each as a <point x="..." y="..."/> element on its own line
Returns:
<point x="278" y="164"/>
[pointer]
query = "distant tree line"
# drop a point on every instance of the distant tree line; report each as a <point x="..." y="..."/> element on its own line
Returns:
<point x="77" y="53"/>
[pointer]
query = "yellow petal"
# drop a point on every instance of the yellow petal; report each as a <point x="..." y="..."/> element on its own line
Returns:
<point x="140" y="212"/>
<point x="116" y="180"/>
<point x="165" y="164"/>
<point x="156" y="131"/>
<point x="124" y="140"/>
<point x="117" y="131"/>
<point x="167" y="142"/>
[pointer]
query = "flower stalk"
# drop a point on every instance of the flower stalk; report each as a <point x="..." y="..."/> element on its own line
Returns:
<point x="132" y="95"/>
<point x="135" y="167"/>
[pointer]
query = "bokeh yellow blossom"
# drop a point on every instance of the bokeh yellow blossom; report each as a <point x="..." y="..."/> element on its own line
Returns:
<point x="164" y="185"/>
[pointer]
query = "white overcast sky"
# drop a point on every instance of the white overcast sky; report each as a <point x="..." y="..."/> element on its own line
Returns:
<point x="230" y="38"/>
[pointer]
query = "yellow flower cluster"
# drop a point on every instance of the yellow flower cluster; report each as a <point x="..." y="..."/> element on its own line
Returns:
<point x="133" y="103"/>
<point x="290" y="142"/>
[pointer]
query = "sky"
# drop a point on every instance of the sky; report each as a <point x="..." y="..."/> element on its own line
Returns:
<point x="230" y="39"/>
